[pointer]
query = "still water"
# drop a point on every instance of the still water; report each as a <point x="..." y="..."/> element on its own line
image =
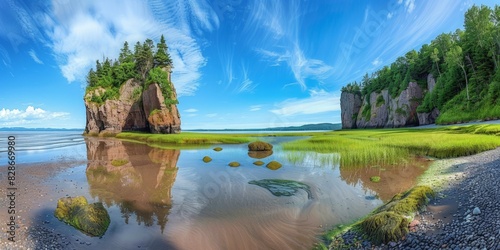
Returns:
<point x="171" y="199"/>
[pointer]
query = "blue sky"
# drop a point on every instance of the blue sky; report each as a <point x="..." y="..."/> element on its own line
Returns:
<point x="237" y="64"/>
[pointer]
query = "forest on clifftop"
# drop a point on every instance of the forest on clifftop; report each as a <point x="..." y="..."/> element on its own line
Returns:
<point x="465" y="64"/>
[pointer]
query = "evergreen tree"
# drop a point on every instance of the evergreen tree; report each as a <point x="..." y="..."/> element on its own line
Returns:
<point x="161" y="57"/>
<point x="125" y="54"/>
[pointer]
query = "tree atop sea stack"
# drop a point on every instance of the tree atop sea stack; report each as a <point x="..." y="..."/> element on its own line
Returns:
<point x="132" y="93"/>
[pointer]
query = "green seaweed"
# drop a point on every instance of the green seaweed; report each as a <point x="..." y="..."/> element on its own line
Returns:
<point x="375" y="179"/>
<point x="279" y="187"/>
<point x="92" y="219"/>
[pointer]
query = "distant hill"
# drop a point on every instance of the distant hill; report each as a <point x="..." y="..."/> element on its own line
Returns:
<point x="306" y="127"/>
<point x="40" y="129"/>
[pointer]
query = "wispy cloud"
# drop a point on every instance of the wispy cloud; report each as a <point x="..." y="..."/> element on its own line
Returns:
<point x="255" y="107"/>
<point x="410" y="5"/>
<point x="246" y="85"/>
<point x="280" y="42"/>
<point x="319" y="101"/>
<point x="17" y="117"/>
<point x="191" y="110"/>
<point x="35" y="57"/>
<point x="376" y="62"/>
<point x="82" y="32"/>
<point x="211" y="115"/>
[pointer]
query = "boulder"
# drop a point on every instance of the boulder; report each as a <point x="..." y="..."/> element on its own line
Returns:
<point x="259" y="146"/>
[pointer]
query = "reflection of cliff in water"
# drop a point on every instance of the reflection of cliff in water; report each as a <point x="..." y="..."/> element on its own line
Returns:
<point x="393" y="179"/>
<point x="135" y="177"/>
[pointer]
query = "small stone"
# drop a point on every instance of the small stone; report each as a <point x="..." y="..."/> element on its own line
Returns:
<point x="476" y="211"/>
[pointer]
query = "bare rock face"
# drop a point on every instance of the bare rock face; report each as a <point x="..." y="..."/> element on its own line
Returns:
<point x="430" y="117"/>
<point x="431" y="82"/>
<point x="350" y="104"/>
<point x="162" y="118"/>
<point x="387" y="112"/>
<point x="404" y="107"/>
<point x="133" y="111"/>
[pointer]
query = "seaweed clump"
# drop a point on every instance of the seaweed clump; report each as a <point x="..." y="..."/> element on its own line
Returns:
<point x="92" y="219"/>
<point x="390" y="221"/>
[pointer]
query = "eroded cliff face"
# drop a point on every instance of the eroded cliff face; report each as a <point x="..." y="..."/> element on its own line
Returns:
<point x="430" y="117"/>
<point x="380" y="110"/>
<point x="350" y="102"/>
<point x="135" y="110"/>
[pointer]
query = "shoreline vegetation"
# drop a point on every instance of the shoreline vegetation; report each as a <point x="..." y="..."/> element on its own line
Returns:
<point x="361" y="148"/>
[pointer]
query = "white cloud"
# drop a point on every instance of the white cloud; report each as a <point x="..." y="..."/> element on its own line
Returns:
<point x="246" y="85"/>
<point x="83" y="32"/>
<point x="211" y="115"/>
<point x="410" y="5"/>
<point x="376" y="62"/>
<point x="389" y="15"/>
<point x="191" y="110"/>
<point x="280" y="41"/>
<point x="255" y="107"/>
<point x="319" y="101"/>
<point x="35" y="57"/>
<point x="16" y="117"/>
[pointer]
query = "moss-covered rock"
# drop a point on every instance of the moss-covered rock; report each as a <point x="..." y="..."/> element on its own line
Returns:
<point x="274" y="165"/>
<point x="234" y="164"/>
<point x="385" y="226"/>
<point x="260" y="154"/>
<point x="258" y="163"/>
<point x="92" y="219"/>
<point x="259" y="146"/>
<point x="217" y="149"/>
<point x="390" y="221"/>
<point x="375" y="179"/>
<point x="207" y="159"/>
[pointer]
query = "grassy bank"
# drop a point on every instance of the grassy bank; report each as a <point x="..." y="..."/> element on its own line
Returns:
<point x="392" y="146"/>
<point x="185" y="138"/>
<point x="441" y="143"/>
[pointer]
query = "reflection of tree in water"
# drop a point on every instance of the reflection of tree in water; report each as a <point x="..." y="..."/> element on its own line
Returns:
<point x="141" y="187"/>
<point x="393" y="179"/>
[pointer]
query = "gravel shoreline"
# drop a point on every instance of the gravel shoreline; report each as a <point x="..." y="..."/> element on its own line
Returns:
<point x="465" y="214"/>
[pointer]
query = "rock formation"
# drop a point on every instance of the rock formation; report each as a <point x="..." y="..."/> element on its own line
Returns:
<point x="381" y="110"/>
<point x="135" y="110"/>
<point x="430" y="117"/>
<point x="350" y="103"/>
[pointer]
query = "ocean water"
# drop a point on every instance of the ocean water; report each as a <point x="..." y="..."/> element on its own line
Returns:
<point x="41" y="146"/>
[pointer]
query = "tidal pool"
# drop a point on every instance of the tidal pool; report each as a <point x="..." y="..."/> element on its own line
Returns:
<point x="171" y="199"/>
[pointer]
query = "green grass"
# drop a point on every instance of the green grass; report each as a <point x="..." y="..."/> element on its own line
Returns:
<point x="375" y="179"/>
<point x="393" y="146"/>
<point x="185" y="138"/>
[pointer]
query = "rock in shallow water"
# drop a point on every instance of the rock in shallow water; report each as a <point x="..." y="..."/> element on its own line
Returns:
<point x="476" y="211"/>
